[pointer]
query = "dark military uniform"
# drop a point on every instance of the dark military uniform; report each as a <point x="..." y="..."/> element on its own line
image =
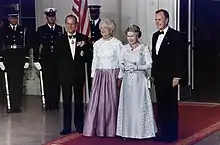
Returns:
<point x="2" y="84"/>
<point x="94" y="14"/>
<point x="95" y="35"/>
<point x="46" y="37"/>
<point x="95" y="31"/>
<point x="14" y="54"/>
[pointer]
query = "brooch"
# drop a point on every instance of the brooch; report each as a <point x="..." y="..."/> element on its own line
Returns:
<point x="141" y="51"/>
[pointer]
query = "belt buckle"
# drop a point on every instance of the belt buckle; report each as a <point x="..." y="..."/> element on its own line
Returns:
<point x="13" y="46"/>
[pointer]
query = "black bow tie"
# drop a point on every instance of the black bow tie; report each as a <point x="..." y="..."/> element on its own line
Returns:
<point x="161" y="32"/>
<point x="72" y="36"/>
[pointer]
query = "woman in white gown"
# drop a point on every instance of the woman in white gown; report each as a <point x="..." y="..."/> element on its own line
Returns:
<point x="135" y="112"/>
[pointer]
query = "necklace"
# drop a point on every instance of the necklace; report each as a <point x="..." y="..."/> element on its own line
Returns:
<point x="134" y="46"/>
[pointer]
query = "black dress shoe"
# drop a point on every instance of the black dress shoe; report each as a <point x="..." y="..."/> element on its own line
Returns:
<point x="164" y="139"/>
<point x="65" y="132"/>
<point x="159" y="139"/>
<point x="79" y="131"/>
<point x="170" y="140"/>
<point x="55" y="108"/>
<point x="46" y="108"/>
<point x="14" y="110"/>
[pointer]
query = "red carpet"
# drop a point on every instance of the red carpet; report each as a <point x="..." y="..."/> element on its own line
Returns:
<point x="197" y="121"/>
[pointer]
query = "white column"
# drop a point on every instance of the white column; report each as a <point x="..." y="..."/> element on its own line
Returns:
<point x="171" y="7"/>
<point x="128" y="15"/>
<point x="64" y="8"/>
<point x="141" y="12"/>
<point x="111" y="9"/>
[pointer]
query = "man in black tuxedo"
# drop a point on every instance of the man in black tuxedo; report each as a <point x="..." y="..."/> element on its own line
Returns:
<point x="73" y="50"/>
<point x="167" y="73"/>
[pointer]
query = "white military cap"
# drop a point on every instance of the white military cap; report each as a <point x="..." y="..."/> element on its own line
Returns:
<point x="51" y="12"/>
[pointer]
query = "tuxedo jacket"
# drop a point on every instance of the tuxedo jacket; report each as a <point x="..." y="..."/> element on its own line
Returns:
<point x="168" y="63"/>
<point x="73" y="69"/>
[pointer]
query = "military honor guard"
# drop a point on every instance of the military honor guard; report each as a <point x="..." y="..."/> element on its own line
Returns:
<point x="13" y="59"/>
<point x="94" y="11"/>
<point x="45" y="60"/>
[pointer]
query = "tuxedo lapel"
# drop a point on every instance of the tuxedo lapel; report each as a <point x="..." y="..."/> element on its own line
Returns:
<point x="155" y="39"/>
<point x="66" y="40"/>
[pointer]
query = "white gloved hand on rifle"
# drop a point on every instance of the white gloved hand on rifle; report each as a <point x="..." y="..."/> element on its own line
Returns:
<point x="26" y="65"/>
<point x="2" y="66"/>
<point x="37" y="65"/>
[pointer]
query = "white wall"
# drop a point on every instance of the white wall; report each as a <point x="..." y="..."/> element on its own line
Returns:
<point x="141" y="12"/>
<point x="123" y="12"/>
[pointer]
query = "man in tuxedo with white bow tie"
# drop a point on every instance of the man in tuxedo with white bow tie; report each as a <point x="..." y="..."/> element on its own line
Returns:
<point x="167" y="72"/>
<point x="73" y="49"/>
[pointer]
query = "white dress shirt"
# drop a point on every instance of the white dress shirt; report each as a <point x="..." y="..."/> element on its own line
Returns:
<point x="15" y="26"/>
<point x="96" y="21"/>
<point x="72" y="43"/>
<point x="51" y="26"/>
<point x="160" y="39"/>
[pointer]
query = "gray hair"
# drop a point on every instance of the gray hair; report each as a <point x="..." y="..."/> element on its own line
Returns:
<point x="111" y="24"/>
<point x="134" y="28"/>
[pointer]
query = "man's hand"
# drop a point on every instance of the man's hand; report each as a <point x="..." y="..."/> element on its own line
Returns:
<point x="152" y="80"/>
<point x="176" y="81"/>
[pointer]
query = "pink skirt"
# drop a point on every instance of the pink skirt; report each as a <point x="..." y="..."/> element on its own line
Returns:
<point x="100" y="119"/>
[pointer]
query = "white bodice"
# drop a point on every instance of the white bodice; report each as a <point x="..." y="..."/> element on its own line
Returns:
<point x="106" y="54"/>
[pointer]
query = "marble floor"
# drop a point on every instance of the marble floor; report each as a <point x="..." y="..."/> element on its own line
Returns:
<point x="34" y="126"/>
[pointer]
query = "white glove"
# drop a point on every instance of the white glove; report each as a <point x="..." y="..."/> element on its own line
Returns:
<point x="26" y="65"/>
<point x="2" y="66"/>
<point x="130" y="68"/>
<point x="37" y="65"/>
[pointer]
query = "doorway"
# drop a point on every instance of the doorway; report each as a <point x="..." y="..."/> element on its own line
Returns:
<point x="205" y="48"/>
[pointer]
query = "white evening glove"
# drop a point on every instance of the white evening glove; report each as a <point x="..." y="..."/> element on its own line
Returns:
<point x="37" y="65"/>
<point x="130" y="68"/>
<point x="2" y="66"/>
<point x="26" y="65"/>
